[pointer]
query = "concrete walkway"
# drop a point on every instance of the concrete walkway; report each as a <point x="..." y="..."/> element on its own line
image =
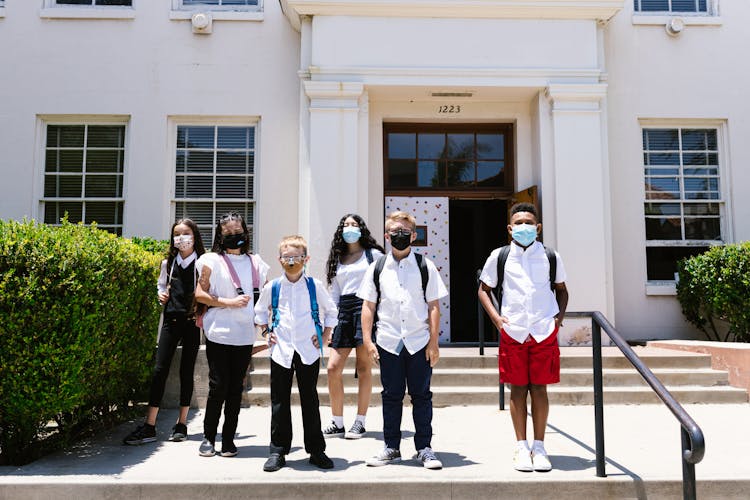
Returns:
<point x="475" y="444"/>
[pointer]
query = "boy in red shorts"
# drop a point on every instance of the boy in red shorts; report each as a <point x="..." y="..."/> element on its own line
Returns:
<point x="531" y="311"/>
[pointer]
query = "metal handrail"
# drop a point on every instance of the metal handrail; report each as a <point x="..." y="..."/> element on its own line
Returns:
<point x="692" y="440"/>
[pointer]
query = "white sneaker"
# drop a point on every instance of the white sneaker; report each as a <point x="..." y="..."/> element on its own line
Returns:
<point x="522" y="460"/>
<point x="428" y="459"/>
<point x="384" y="457"/>
<point x="541" y="460"/>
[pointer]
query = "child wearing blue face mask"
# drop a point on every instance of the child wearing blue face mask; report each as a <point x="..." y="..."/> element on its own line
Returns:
<point x="353" y="249"/>
<point x="531" y="312"/>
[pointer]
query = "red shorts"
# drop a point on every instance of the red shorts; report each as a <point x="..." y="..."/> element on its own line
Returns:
<point x="532" y="362"/>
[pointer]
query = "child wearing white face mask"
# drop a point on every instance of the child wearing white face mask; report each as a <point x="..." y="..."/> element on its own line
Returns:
<point x="175" y="291"/>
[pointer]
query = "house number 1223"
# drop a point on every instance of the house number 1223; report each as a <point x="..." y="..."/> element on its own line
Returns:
<point x="449" y="108"/>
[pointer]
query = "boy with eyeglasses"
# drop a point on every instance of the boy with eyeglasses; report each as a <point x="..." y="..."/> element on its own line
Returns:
<point x="295" y="347"/>
<point x="408" y="326"/>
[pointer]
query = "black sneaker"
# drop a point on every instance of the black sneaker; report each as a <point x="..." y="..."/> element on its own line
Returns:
<point x="179" y="433"/>
<point x="206" y="449"/>
<point x="333" y="431"/>
<point x="228" y="450"/>
<point x="275" y="462"/>
<point x="357" y="431"/>
<point x="321" y="460"/>
<point x="144" y="433"/>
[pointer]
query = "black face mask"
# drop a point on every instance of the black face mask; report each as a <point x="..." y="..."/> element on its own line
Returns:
<point x="400" y="241"/>
<point x="234" y="241"/>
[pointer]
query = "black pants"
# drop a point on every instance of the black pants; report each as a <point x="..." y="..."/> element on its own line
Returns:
<point x="227" y="365"/>
<point x="173" y="331"/>
<point x="281" y="414"/>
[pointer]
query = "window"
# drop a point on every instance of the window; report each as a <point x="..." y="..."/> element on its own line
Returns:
<point x="126" y="3"/>
<point x="83" y="175"/>
<point x="683" y="203"/>
<point x="220" y="4"/>
<point x="214" y="174"/>
<point x="674" y="6"/>
<point x="465" y="157"/>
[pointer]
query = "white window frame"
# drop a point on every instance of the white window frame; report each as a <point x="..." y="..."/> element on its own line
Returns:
<point x="661" y="18"/>
<point x="182" y="12"/>
<point x="52" y="10"/>
<point x="43" y="121"/>
<point x="668" y="287"/>
<point x="214" y="121"/>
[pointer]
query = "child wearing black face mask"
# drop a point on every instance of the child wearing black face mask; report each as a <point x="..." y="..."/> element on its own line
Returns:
<point x="228" y="275"/>
<point x="298" y="329"/>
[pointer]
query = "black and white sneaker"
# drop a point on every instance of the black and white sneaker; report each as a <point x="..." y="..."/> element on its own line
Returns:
<point x="357" y="431"/>
<point x="384" y="457"/>
<point x="228" y="450"/>
<point x="333" y="431"/>
<point x="206" y="449"/>
<point x="144" y="433"/>
<point x="179" y="433"/>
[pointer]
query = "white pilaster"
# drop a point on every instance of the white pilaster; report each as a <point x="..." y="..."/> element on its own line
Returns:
<point x="580" y="201"/>
<point x="335" y="156"/>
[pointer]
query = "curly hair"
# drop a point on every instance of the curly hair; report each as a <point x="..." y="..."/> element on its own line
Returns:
<point x="339" y="247"/>
<point x="197" y="240"/>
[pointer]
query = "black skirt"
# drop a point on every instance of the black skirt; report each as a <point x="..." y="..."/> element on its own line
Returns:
<point x="348" y="333"/>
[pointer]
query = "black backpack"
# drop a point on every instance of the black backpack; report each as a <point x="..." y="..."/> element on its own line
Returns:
<point x="502" y="256"/>
<point x="421" y="262"/>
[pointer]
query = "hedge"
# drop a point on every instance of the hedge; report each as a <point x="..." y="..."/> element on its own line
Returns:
<point x="714" y="292"/>
<point x="77" y="333"/>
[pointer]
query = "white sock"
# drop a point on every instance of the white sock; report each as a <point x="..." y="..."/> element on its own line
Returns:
<point x="538" y="445"/>
<point x="523" y="445"/>
<point x="338" y="421"/>
<point x="361" y="418"/>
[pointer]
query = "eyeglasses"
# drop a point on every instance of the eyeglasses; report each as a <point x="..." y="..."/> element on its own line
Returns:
<point x="400" y="232"/>
<point x="292" y="259"/>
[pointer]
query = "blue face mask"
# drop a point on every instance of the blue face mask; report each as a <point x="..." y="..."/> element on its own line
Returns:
<point x="524" y="234"/>
<point x="351" y="234"/>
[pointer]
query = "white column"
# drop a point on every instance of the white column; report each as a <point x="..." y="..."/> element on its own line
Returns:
<point x="335" y="157"/>
<point x="580" y="196"/>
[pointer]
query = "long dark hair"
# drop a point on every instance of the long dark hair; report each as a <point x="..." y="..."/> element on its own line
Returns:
<point x="218" y="246"/>
<point x="197" y="241"/>
<point x="339" y="247"/>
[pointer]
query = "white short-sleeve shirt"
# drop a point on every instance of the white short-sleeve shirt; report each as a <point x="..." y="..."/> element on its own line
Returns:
<point x="296" y="329"/>
<point x="402" y="312"/>
<point x="231" y="325"/>
<point x="528" y="300"/>
<point x="349" y="276"/>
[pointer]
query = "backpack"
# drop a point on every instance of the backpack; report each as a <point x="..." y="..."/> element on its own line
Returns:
<point x="502" y="256"/>
<point x="421" y="262"/>
<point x="275" y="291"/>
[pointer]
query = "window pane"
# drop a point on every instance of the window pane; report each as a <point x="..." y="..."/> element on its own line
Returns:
<point x="490" y="146"/>
<point x="220" y="2"/>
<point x="701" y="209"/>
<point x="103" y="212"/>
<point x="663" y="209"/>
<point x="104" y="161"/>
<point x="69" y="186"/>
<point x="197" y="187"/>
<point x="233" y="187"/>
<point x="199" y="137"/>
<point x="661" y="158"/>
<point x="233" y="137"/>
<point x="235" y="162"/>
<point x="661" y="262"/>
<point x="663" y="228"/>
<point x="200" y="161"/>
<point x="71" y="161"/>
<point x="54" y="211"/>
<point x="660" y="139"/>
<point x="490" y="173"/>
<point x="431" y="146"/>
<point x="460" y="146"/>
<point x="662" y="171"/>
<point x="101" y="136"/>
<point x="402" y="146"/>
<point x="103" y="186"/>
<point x="65" y="136"/>
<point x="703" y="228"/>
<point x="402" y="173"/>
<point x="429" y="174"/>
<point x="202" y="213"/>
<point x="460" y="173"/>
<point x="654" y="5"/>
<point x="684" y="6"/>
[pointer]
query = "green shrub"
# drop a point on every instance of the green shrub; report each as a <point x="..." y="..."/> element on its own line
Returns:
<point x="152" y="245"/>
<point x="78" y="329"/>
<point x="716" y="286"/>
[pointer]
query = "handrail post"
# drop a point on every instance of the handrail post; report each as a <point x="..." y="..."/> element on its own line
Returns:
<point x="688" y="469"/>
<point x="596" y="340"/>
<point x="480" y="319"/>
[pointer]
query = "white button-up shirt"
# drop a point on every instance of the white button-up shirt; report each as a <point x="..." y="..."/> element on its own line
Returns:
<point x="402" y="312"/>
<point x="296" y="328"/>
<point x="162" y="284"/>
<point x="349" y="276"/>
<point x="528" y="301"/>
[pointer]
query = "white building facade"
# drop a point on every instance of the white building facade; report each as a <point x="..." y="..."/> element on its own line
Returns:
<point x="622" y="119"/>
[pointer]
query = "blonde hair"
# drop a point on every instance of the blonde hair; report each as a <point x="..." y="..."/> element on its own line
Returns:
<point x="295" y="241"/>
<point x="398" y="215"/>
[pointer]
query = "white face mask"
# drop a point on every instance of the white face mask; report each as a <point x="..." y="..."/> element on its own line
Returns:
<point x="183" y="241"/>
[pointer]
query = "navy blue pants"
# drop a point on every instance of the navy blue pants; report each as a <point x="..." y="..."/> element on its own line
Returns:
<point x="397" y="372"/>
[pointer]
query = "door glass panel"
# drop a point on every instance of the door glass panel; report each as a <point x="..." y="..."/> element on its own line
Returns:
<point x="431" y="146"/>
<point x="402" y="146"/>
<point x="402" y="173"/>
<point x="429" y="174"/>
<point x="490" y="173"/>
<point x="460" y="146"/>
<point x="490" y="147"/>
<point x="460" y="173"/>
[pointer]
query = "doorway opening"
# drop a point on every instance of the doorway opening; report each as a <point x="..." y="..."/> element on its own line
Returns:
<point x="476" y="228"/>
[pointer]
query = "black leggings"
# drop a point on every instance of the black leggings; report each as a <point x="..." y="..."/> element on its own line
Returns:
<point x="173" y="331"/>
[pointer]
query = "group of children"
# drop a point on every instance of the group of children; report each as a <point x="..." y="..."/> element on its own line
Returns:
<point x="384" y="305"/>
